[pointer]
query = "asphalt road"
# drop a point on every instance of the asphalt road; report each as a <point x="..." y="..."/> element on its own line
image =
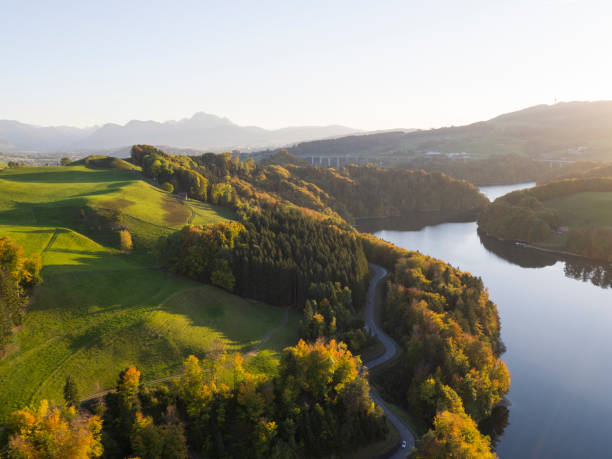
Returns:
<point x="390" y="350"/>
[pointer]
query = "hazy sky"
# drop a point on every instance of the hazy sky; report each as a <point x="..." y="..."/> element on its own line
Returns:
<point x="370" y="65"/>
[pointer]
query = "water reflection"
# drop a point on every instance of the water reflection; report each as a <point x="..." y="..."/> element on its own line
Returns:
<point x="495" y="425"/>
<point x="599" y="274"/>
<point x="522" y="256"/>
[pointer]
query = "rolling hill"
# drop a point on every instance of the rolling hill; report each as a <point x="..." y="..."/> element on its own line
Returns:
<point x="573" y="130"/>
<point x="100" y="310"/>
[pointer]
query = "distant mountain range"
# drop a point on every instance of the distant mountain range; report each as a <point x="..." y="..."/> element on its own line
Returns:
<point x="572" y="130"/>
<point x="200" y="132"/>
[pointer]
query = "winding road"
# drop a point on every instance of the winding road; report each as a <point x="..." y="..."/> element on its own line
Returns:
<point x="390" y="350"/>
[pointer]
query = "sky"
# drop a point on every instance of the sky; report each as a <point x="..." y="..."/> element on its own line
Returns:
<point x="364" y="64"/>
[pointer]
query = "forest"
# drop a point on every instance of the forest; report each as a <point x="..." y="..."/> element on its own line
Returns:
<point x="495" y="170"/>
<point x="270" y="255"/>
<point x="367" y="191"/>
<point x="535" y="215"/>
<point x="317" y="404"/>
<point x="450" y="374"/>
<point x="451" y="366"/>
<point x="351" y="192"/>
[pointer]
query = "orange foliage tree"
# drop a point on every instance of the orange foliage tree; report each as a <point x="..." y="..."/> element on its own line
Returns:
<point x="54" y="432"/>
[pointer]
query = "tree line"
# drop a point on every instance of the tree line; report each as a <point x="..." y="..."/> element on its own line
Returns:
<point x="495" y="170"/>
<point x="18" y="275"/>
<point x="317" y="405"/>
<point x="273" y="255"/>
<point x="370" y="190"/>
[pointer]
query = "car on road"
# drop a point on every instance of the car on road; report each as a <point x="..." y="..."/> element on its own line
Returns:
<point x="404" y="444"/>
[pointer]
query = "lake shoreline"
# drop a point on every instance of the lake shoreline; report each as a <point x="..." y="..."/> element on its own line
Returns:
<point x="564" y="253"/>
<point x="547" y="301"/>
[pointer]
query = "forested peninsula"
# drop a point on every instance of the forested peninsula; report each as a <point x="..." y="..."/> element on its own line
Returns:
<point x="571" y="215"/>
<point x="450" y="374"/>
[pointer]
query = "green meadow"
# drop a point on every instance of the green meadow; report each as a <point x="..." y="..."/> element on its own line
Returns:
<point x="100" y="310"/>
<point x="584" y="210"/>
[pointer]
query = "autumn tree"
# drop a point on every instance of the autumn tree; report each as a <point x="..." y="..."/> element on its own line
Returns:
<point x="325" y="396"/>
<point x="18" y="275"/>
<point x="453" y="435"/>
<point x="125" y="240"/>
<point x="54" y="432"/>
<point x="167" y="186"/>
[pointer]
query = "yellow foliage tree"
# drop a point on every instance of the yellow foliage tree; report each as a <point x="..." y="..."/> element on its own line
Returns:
<point x="453" y="435"/>
<point x="54" y="432"/>
<point x="125" y="240"/>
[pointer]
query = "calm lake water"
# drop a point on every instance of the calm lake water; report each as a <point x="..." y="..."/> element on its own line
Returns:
<point x="556" y="317"/>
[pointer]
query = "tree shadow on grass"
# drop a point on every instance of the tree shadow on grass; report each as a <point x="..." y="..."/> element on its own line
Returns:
<point x="41" y="231"/>
<point x="68" y="176"/>
<point x="68" y="213"/>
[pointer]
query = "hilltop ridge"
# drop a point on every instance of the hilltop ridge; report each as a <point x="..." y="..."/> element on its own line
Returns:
<point x="574" y="130"/>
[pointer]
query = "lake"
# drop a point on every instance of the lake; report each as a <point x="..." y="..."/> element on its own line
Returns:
<point x="556" y="316"/>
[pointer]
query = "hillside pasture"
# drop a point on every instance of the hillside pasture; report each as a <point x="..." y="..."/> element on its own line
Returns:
<point x="100" y="310"/>
<point x="92" y="323"/>
<point x="583" y="210"/>
<point x="89" y="200"/>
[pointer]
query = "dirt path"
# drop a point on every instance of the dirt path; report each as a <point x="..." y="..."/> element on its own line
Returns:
<point x="270" y="333"/>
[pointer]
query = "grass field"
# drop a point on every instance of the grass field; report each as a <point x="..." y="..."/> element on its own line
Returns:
<point x="99" y="310"/>
<point x="584" y="210"/>
<point x="578" y="211"/>
<point x="58" y="196"/>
